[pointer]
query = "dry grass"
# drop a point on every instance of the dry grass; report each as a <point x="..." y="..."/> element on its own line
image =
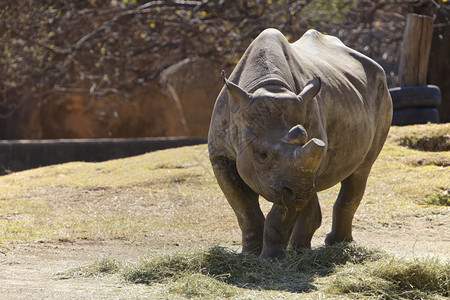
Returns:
<point x="344" y="269"/>
<point x="142" y="197"/>
<point x="169" y="200"/>
<point x="122" y="199"/>
<point x="393" y="278"/>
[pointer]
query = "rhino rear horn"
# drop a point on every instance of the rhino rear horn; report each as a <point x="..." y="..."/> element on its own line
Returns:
<point x="310" y="155"/>
<point x="238" y="93"/>
<point x="297" y="135"/>
<point x="310" y="90"/>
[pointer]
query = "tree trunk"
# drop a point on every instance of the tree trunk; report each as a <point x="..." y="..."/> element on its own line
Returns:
<point x="415" y="50"/>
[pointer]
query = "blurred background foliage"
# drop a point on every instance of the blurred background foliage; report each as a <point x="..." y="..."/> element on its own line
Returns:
<point x="112" y="46"/>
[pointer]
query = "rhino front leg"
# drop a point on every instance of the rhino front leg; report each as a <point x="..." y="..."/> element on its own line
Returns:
<point x="347" y="202"/>
<point x="244" y="202"/>
<point x="308" y="220"/>
<point x="277" y="231"/>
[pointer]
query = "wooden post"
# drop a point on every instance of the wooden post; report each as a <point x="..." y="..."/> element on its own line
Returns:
<point x="415" y="50"/>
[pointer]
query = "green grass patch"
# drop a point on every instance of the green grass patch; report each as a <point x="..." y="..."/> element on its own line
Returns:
<point x="428" y="137"/>
<point x="427" y="143"/>
<point x="440" y="197"/>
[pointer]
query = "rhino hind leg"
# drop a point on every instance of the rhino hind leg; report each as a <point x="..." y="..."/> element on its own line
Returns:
<point x="244" y="202"/>
<point x="307" y="222"/>
<point x="347" y="202"/>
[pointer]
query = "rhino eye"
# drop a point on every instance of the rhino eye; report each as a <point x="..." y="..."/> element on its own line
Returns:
<point x="263" y="156"/>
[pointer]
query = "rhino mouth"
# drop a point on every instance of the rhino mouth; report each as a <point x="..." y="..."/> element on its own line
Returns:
<point x="295" y="200"/>
<point x="292" y="194"/>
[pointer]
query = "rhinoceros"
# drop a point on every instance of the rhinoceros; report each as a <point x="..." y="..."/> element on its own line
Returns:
<point x="291" y="120"/>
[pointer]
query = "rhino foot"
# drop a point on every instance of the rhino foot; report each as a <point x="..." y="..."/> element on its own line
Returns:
<point x="252" y="242"/>
<point x="332" y="238"/>
<point x="273" y="253"/>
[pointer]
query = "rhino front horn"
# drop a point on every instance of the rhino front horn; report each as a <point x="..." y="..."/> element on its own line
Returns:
<point x="310" y="155"/>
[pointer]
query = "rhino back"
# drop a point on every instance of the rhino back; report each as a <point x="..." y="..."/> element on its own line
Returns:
<point x="352" y="109"/>
<point x="354" y="104"/>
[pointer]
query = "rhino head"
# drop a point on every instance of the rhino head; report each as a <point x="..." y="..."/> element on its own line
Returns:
<point x="274" y="155"/>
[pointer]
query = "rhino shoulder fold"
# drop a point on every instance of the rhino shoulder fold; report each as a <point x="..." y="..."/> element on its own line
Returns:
<point x="271" y="32"/>
<point x="315" y="36"/>
<point x="312" y="33"/>
<point x="270" y="35"/>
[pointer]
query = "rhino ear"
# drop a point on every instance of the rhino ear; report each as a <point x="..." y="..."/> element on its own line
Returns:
<point x="310" y="90"/>
<point x="240" y="97"/>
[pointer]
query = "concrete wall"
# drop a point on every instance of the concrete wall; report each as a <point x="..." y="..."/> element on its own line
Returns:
<point x="26" y="154"/>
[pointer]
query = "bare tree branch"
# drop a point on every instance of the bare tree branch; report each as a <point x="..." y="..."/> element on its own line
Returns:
<point x="71" y="46"/>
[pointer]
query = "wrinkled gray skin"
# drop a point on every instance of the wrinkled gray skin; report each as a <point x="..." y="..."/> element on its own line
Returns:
<point x="292" y="120"/>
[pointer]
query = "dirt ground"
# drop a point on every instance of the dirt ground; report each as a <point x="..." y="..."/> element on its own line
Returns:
<point x="34" y="270"/>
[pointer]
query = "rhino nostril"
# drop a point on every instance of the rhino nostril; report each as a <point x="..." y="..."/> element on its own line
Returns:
<point x="287" y="192"/>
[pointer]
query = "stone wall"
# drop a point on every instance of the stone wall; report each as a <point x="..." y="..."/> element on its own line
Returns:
<point x="177" y="103"/>
<point x="25" y="154"/>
